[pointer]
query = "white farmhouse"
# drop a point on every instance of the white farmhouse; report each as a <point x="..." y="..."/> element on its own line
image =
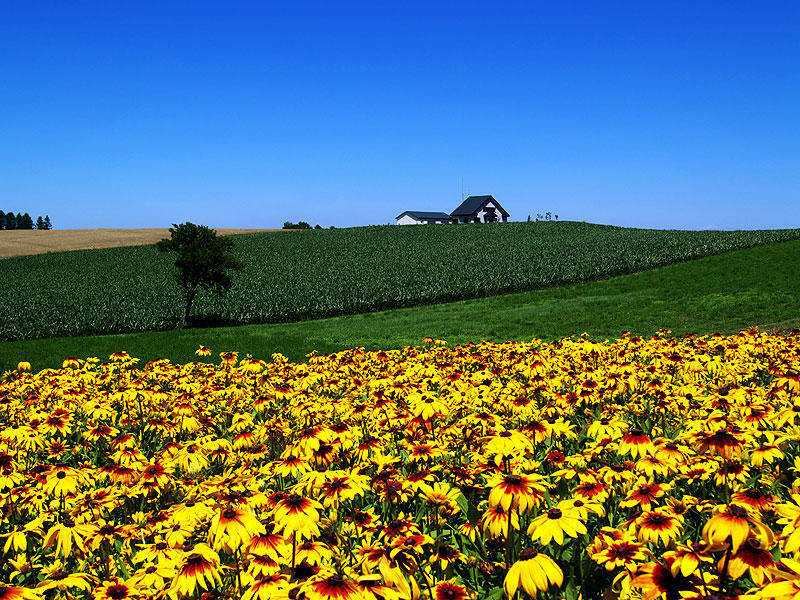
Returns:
<point x="475" y="209"/>
<point x="479" y="209"/>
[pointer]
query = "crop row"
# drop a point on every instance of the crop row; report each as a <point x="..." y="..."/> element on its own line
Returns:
<point x="315" y="274"/>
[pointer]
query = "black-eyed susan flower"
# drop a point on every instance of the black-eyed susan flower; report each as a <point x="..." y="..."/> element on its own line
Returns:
<point x="68" y="535"/>
<point x="555" y="523"/>
<point x="657" y="525"/>
<point x="722" y="442"/>
<point x="656" y="580"/>
<point x="332" y="587"/>
<point x="198" y="569"/>
<point x="534" y="572"/>
<point x="636" y="443"/>
<point x="12" y="592"/>
<point x="687" y="559"/>
<point x="752" y="558"/>
<point x="229" y="358"/>
<point x="787" y="582"/>
<point x="790" y="519"/>
<point x="268" y="587"/>
<point x="591" y="490"/>
<point x="297" y="515"/>
<point x="733" y="524"/>
<point x="58" y="578"/>
<point x="233" y="527"/>
<point x="496" y="521"/>
<point x="644" y="494"/>
<point x="516" y="491"/>
<point x="117" y="590"/>
<point x="614" y="550"/>
<point x="449" y="590"/>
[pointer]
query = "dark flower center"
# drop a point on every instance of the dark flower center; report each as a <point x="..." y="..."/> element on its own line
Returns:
<point x="161" y="546"/>
<point x="58" y="575"/>
<point x="336" y="580"/>
<point x="513" y="479"/>
<point x="624" y="551"/>
<point x="150" y="570"/>
<point x="117" y="592"/>
<point x="61" y="475"/>
<point x="738" y="512"/>
<point x="107" y="529"/>
<point x="528" y="554"/>
<point x="229" y="513"/>
<point x="554" y="513"/>
<point x="195" y="558"/>
<point x="294" y="500"/>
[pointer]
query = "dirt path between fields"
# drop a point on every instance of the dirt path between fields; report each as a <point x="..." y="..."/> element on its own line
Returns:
<point x="19" y="242"/>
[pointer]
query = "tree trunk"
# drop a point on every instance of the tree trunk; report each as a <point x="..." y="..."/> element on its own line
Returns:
<point x="189" y="299"/>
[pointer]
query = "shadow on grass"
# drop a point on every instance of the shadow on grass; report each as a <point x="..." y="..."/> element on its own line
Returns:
<point x="210" y="320"/>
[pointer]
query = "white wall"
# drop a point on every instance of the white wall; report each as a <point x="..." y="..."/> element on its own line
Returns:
<point x="408" y="220"/>
<point x="490" y="204"/>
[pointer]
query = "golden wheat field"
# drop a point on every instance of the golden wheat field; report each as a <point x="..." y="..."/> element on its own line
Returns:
<point x="627" y="469"/>
<point x="19" y="242"/>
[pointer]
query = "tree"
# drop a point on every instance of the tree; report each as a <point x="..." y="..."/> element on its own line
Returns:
<point x="47" y="223"/>
<point x="11" y="221"/>
<point x="25" y="222"/>
<point x="39" y="222"/>
<point x="203" y="260"/>
<point x="2" y="220"/>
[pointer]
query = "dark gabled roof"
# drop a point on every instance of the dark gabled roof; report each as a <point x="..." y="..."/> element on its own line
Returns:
<point x="473" y="204"/>
<point x="419" y="215"/>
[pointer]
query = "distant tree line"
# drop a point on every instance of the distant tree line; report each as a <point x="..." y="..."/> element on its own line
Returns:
<point x="8" y="220"/>
<point x="301" y="225"/>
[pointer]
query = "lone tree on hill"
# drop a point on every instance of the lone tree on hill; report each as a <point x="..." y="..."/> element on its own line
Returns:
<point x="203" y="260"/>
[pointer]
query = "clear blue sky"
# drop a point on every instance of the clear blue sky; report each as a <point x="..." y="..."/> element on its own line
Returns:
<point x="668" y="114"/>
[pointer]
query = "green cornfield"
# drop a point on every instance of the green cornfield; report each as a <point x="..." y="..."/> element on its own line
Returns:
<point x="320" y="273"/>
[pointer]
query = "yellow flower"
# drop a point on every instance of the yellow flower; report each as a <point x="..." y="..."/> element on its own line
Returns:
<point x="535" y="572"/>
<point x="233" y="528"/>
<point x="556" y="522"/>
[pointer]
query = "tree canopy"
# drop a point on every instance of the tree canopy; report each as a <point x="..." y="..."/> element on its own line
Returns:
<point x="204" y="260"/>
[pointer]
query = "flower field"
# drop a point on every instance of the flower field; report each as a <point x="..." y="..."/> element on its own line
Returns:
<point x="636" y="468"/>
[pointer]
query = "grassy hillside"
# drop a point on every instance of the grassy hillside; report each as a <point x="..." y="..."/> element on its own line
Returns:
<point x="725" y="293"/>
<point x="333" y="272"/>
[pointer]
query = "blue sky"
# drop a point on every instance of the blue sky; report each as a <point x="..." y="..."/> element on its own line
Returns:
<point x="673" y="115"/>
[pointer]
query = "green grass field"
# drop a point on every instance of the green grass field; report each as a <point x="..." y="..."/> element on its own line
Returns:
<point x="723" y="293"/>
<point x="324" y="273"/>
